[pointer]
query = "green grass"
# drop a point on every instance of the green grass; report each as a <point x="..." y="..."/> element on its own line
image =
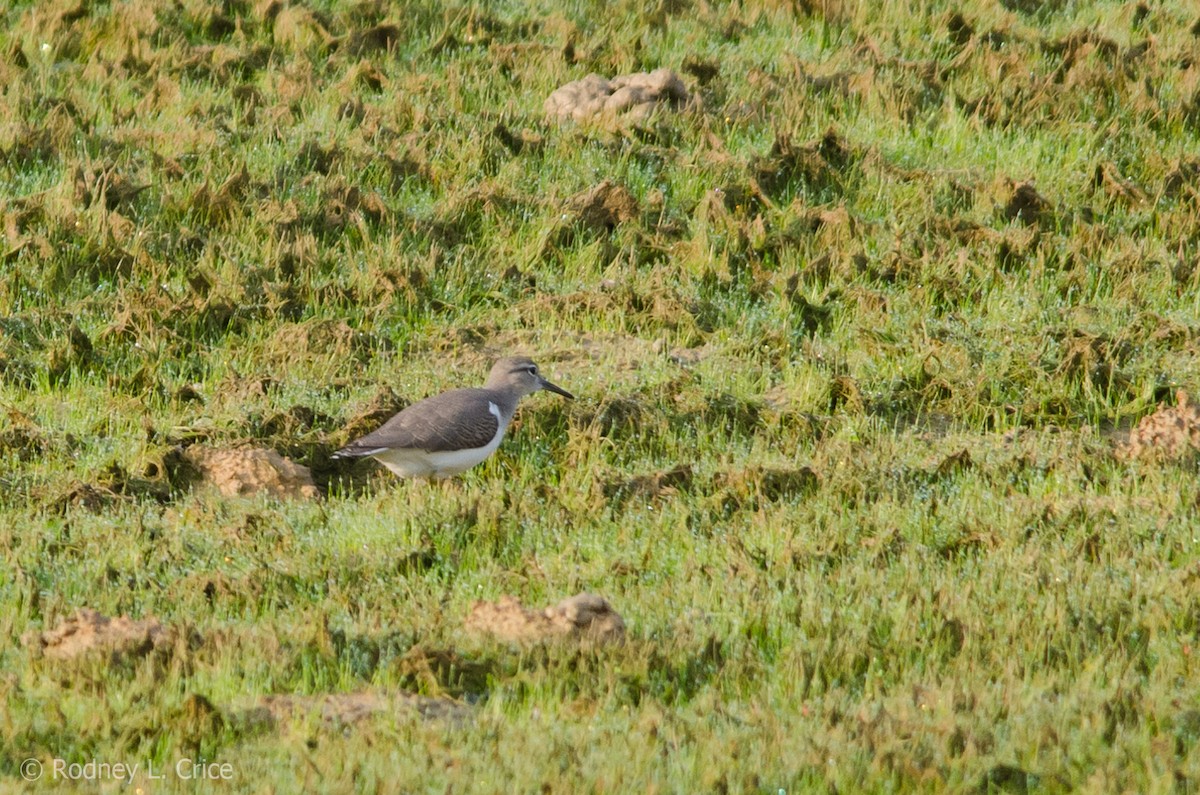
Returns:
<point x="896" y="552"/>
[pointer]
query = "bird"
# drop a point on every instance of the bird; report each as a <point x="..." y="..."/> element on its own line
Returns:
<point x="444" y="435"/>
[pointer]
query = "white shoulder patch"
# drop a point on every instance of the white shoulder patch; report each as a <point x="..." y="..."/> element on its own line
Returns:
<point x="492" y="407"/>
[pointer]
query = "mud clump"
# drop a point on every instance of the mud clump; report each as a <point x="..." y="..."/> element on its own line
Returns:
<point x="632" y="97"/>
<point x="89" y="634"/>
<point x="1028" y="206"/>
<point x="604" y="206"/>
<point x="1171" y="433"/>
<point x="364" y="42"/>
<point x="339" y="710"/>
<point x="584" y="616"/>
<point x="244" y="472"/>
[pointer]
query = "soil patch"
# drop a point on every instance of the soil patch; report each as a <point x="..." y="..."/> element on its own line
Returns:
<point x="603" y="207"/>
<point x="244" y="472"/>
<point x="90" y="633"/>
<point x="584" y="616"/>
<point x="632" y="97"/>
<point x="1172" y="432"/>
<point x="1027" y="205"/>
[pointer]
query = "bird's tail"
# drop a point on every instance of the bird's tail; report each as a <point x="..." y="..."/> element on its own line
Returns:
<point x="357" y="451"/>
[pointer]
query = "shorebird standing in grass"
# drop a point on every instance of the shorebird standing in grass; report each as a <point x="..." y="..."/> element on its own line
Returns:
<point x="449" y="433"/>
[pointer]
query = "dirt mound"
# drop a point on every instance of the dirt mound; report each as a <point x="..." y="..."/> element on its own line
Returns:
<point x="630" y="97"/>
<point x="604" y="206"/>
<point x="1172" y="432"/>
<point x="89" y="632"/>
<point x="249" y="471"/>
<point x="345" y="709"/>
<point x="584" y="615"/>
<point x="1026" y="204"/>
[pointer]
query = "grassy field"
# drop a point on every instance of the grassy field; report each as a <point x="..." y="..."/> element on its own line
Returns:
<point x="855" y="332"/>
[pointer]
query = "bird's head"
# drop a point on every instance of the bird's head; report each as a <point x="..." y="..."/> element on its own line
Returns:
<point x="520" y="373"/>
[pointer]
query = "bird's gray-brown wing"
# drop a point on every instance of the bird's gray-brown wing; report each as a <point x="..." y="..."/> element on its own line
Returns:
<point x="456" y="420"/>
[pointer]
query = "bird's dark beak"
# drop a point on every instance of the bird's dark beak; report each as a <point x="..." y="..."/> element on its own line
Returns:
<point x="556" y="389"/>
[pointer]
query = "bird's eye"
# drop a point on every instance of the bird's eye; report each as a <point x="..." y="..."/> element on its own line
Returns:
<point x="533" y="369"/>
